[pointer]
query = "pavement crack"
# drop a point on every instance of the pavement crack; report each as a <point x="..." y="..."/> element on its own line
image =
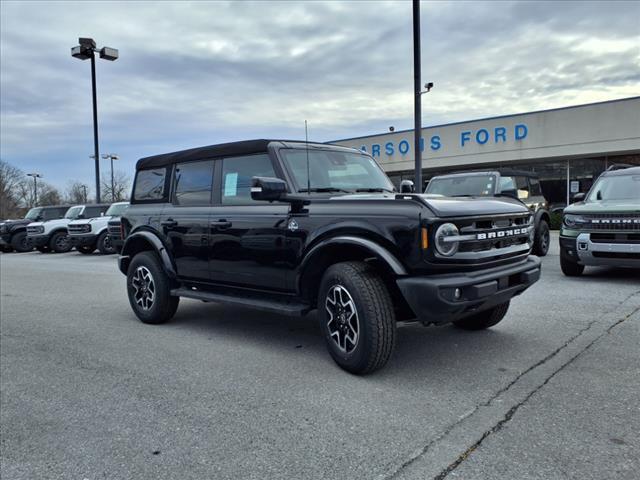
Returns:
<point x="509" y="415"/>
<point x="421" y="452"/>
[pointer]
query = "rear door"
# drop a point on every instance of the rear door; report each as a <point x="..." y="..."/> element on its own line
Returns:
<point x="247" y="238"/>
<point x="185" y="221"/>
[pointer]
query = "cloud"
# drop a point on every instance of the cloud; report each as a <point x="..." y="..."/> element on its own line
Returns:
<point x="199" y="73"/>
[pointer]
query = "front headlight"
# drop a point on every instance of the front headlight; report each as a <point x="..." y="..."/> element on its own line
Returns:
<point x="573" y="221"/>
<point x="445" y="245"/>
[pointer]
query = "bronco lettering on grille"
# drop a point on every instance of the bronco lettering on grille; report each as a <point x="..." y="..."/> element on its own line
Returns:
<point x="502" y="233"/>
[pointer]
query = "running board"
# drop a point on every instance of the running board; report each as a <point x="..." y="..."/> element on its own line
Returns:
<point x="291" y="309"/>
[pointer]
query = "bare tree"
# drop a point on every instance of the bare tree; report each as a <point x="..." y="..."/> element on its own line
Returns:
<point x="47" y="194"/>
<point x="76" y="192"/>
<point x="11" y="180"/>
<point x="121" y="187"/>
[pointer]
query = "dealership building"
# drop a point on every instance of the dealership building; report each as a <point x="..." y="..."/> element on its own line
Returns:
<point x="566" y="147"/>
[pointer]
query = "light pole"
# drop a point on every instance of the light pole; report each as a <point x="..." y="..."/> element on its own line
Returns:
<point x="84" y="187"/>
<point x="86" y="50"/>
<point x="417" y="100"/>
<point x="113" y="157"/>
<point x="35" y="176"/>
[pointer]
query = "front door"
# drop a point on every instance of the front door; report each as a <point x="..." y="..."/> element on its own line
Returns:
<point x="247" y="238"/>
<point x="185" y="222"/>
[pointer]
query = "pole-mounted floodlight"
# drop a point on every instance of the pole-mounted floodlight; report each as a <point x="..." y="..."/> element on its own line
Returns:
<point x="87" y="50"/>
<point x="113" y="157"/>
<point x="35" y="176"/>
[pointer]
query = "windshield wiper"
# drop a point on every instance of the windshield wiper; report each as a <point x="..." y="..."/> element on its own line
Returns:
<point x="374" y="189"/>
<point x="323" y="190"/>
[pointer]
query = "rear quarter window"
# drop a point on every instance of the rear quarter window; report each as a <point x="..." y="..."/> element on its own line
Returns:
<point x="150" y="185"/>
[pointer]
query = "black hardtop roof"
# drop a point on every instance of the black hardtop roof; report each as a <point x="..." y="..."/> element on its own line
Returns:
<point x="500" y="171"/>
<point x="244" y="147"/>
<point x="49" y="207"/>
<point x="622" y="171"/>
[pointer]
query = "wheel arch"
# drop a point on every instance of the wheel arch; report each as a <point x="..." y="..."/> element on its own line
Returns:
<point x="350" y="248"/>
<point x="144" y="241"/>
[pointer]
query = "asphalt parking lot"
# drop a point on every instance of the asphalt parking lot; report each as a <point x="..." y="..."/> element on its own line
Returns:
<point x="89" y="392"/>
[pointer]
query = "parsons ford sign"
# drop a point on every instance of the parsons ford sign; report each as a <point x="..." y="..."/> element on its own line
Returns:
<point x="482" y="136"/>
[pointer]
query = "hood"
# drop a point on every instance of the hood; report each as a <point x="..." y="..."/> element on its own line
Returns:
<point x="472" y="206"/>
<point x="604" y="206"/>
<point x="57" y="221"/>
<point x="10" y="223"/>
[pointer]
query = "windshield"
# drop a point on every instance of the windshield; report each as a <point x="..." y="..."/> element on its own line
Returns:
<point x="462" y="186"/>
<point x="619" y="187"/>
<point x="335" y="171"/>
<point x="73" y="213"/>
<point x="33" y="214"/>
<point x="116" y="210"/>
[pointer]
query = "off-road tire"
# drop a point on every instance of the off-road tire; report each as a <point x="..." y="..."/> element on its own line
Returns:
<point x="484" y="319"/>
<point x="43" y="249"/>
<point x="164" y="305"/>
<point x="85" y="249"/>
<point x="58" y="245"/>
<point x="376" y="323"/>
<point x="569" y="268"/>
<point x="20" y="242"/>
<point x="542" y="239"/>
<point x="6" y="249"/>
<point x="104" y="244"/>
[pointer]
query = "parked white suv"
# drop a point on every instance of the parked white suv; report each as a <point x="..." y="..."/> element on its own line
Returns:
<point x="87" y="234"/>
<point x="52" y="235"/>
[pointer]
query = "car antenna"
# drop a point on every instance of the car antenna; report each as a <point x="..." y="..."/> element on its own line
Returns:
<point x="306" y="141"/>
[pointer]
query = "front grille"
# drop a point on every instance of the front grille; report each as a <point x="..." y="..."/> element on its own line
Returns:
<point x="488" y="239"/>
<point x="114" y="230"/>
<point x="633" y="238"/>
<point x="612" y="221"/>
<point x="78" y="229"/>
<point x="35" y="230"/>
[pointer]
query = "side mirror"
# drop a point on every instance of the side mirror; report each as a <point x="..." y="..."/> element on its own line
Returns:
<point x="268" y="189"/>
<point x="406" y="186"/>
<point x="512" y="192"/>
<point x="579" y="197"/>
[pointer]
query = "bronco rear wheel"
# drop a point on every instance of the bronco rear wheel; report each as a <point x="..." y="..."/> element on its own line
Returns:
<point x="484" y="319"/>
<point x="104" y="244"/>
<point x="149" y="290"/>
<point x="357" y="317"/>
<point x="542" y="240"/>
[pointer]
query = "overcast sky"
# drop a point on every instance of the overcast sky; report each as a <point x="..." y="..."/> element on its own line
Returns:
<point x="192" y="74"/>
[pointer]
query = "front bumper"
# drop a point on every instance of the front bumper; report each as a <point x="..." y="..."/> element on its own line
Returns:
<point x="432" y="298"/>
<point x="85" y="240"/>
<point x="585" y="251"/>
<point x="39" y="240"/>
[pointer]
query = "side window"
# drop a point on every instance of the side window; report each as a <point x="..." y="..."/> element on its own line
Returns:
<point x="535" y="186"/>
<point x="150" y="184"/>
<point x="236" y="177"/>
<point x="192" y="183"/>
<point x="507" y="183"/>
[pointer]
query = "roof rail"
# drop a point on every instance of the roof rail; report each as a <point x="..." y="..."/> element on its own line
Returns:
<point x="618" y="166"/>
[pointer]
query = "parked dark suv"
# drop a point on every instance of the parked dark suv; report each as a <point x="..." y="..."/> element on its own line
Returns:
<point x="289" y="227"/>
<point x="13" y="233"/>
<point x="522" y="185"/>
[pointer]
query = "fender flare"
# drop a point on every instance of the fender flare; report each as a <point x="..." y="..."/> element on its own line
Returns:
<point x="156" y="244"/>
<point x="375" y="248"/>
<point x="538" y="216"/>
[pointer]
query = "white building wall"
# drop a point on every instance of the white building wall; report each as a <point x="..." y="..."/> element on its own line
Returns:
<point x="606" y="128"/>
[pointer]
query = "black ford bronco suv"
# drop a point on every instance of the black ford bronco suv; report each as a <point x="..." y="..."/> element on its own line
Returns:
<point x="603" y="227"/>
<point x="289" y="227"/>
<point x="524" y="186"/>
<point x="13" y="233"/>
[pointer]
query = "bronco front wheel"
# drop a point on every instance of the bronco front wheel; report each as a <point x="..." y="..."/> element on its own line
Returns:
<point x="357" y="317"/>
<point x="149" y="290"/>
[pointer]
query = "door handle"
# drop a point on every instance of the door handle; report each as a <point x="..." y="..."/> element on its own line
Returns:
<point x="221" y="224"/>
<point x="169" y="223"/>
